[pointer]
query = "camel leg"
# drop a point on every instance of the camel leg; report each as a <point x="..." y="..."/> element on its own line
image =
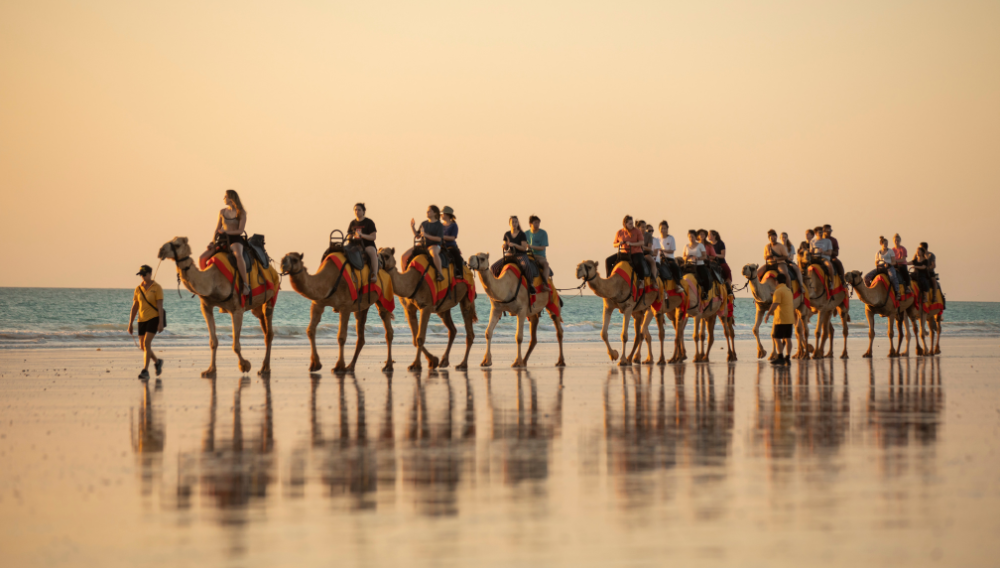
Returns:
<point x="820" y="335"/>
<point x="639" y="338"/>
<point x="213" y="339"/>
<point x="266" y="317"/>
<point x="697" y="339"/>
<point x="661" y="324"/>
<point x="758" y="318"/>
<point x="559" y="337"/>
<point x="606" y="321"/>
<point x="237" y="328"/>
<point x="360" y="318"/>
<point x="519" y="336"/>
<point x="533" y="331"/>
<point x="468" y="315"/>
<point x="829" y="335"/>
<point x="892" y="340"/>
<point x="387" y="322"/>
<point x="626" y="320"/>
<point x="901" y="328"/>
<point x="843" y="321"/>
<point x="315" y="315"/>
<point x="710" y="327"/>
<point x="345" y="317"/>
<point x="414" y="323"/>
<point x="870" y="316"/>
<point x="432" y="361"/>
<point x="648" y="337"/>
<point x="494" y="318"/>
<point x="452" y="332"/>
<point x="922" y="341"/>
<point x="800" y="332"/>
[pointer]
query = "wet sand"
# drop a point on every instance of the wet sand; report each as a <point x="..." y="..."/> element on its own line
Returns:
<point x="860" y="462"/>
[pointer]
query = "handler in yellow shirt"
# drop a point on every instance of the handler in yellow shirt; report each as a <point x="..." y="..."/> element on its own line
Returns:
<point x="147" y="301"/>
<point x="782" y="305"/>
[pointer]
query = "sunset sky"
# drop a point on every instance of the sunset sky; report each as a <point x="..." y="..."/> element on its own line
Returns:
<point x="122" y="123"/>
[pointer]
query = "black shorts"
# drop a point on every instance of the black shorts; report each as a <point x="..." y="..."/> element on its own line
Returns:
<point x="149" y="326"/>
<point x="782" y="331"/>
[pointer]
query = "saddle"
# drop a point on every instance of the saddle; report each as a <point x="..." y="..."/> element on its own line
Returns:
<point x="446" y="259"/>
<point x="351" y="249"/>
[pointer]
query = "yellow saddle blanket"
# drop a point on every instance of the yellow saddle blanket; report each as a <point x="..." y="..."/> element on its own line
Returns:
<point x="261" y="281"/>
<point x="624" y="270"/>
<point x="439" y="289"/>
<point x="357" y="281"/>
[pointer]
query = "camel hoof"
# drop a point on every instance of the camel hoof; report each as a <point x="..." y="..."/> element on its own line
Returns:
<point x="264" y="371"/>
<point x="866" y="356"/>
<point x="761" y="353"/>
<point x="245" y="366"/>
<point x="561" y="362"/>
<point x="387" y="368"/>
<point x="461" y="366"/>
<point x="313" y="367"/>
<point x="414" y="367"/>
<point x="518" y="364"/>
<point x="487" y="362"/>
<point x="661" y="363"/>
<point x="208" y="373"/>
<point x="844" y="356"/>
<point x="613" y="354"/>
<point x="433" y="363"/>
<point x="893" y="355"/>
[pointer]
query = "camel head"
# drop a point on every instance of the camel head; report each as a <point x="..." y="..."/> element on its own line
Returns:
<point x="587" y="270"/>
<point x="854" y="278"/>
<point x="292" y="263"/>
<point x="750" y="271"/>
<point x="388" y="256"/>
<point x="480" y="261"/>
<point x="177" y="248"/>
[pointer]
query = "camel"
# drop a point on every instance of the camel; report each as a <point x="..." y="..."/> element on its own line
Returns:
<point x="825" y="308"/>
<point x="669" y="309"/>
<point x="704" y="318"/>
<point x="932" y="314"/>
<point x="217" y="291"/>
<point x="877" y="301"/>
<point x="320" y="289"/>
<point x="762" y="294"/>
<point x="415" y="295"/>
<point x="617" y="295"/>
<point x="506" y="294"/>
<point x="728" y="322"/>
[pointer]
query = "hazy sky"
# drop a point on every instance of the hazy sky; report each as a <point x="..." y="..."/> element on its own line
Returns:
<point x="122" y="123"/>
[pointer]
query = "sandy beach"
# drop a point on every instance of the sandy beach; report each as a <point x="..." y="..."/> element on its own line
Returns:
<point x="858" y="462"/>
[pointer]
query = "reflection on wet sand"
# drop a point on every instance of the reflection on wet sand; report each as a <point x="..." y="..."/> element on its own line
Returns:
<point x="148" y="434"/>
<point x="233" y="471"/>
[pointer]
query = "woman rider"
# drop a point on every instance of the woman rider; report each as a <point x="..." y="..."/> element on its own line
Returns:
<point x="775" y="256"/>
<point x="900" y="252"/>
<point x="791" y="262"/>
<point x="515" y="248"/>
<point x="884" y="257"/>
<point x="449" y="237"/>
<point x="363" y="230"/>
<point x="430" y="232"/>
<point x="720" y="253"/>
<point x="229" y="231"/>
<point x="694" y="253"/>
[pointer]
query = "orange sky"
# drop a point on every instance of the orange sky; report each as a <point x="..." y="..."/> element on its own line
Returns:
<point x="124" y="122"/>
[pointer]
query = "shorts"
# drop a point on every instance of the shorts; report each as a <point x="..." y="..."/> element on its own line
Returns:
<point x="149" y="326"/>
<point x="781" y="331"/>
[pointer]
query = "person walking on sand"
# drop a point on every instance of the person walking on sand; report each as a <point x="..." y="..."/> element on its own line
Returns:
<point x="782" y="307"/>
<point x="147" y="302"/>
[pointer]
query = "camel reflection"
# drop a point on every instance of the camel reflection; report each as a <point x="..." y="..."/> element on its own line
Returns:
<point x="520" y="438"/>
<point x="233" y="471"/>
<point x="906" y="411"/>
<point x="148" y="437"/>
<point x="435" y="455"/>
<point x="648" y="428"/>
<point x="798" y="418"/>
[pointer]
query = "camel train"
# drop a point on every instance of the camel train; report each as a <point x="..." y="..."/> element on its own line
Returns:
<point x="343" y="282"/>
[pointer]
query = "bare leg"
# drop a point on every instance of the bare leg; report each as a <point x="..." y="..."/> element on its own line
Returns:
<point x="237" y="327"/>
<point x="147" y="349"/>
<point x="315" y="315"/>
<point x="238" y="253"/>
<point x="436" y="256"/>
<point x="213" y="339"/>
<point x="373" y="258"/>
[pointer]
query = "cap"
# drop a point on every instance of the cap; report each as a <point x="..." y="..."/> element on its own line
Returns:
<point x="448" y="210"/>
<point x="144" y="269"/>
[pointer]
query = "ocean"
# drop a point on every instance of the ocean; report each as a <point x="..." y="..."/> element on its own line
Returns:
<point x="87" y="317"/>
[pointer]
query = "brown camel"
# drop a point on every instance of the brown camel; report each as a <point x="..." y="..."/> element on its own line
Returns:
<point x="877" y="301"/>
<point x="217" y="291"/>
<point x="416" y="294"/>
<point x="762" y="293"/>
<point x="617" y="295"/>
<point x="704" y="316"/>
<point x="670" y="304"/>
<point x="332" y="286"/>
<point x="932" y="313"/>
<point x="825" y="308"/>
<point x="507" y="294"/>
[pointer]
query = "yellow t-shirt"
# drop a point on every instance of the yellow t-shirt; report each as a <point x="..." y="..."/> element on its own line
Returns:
<point x="785" y="302"/>
<point x="153" y="294"/>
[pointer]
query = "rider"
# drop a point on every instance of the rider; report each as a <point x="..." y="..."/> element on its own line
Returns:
<point x="431" y="232"/>
<point x="229" y="231"/>
<point x="664" y="248"/>
<point x="884" y="257"/>
<point x="821" y="248"/>
<point x="900" y="265"/>
<point x="835" y="251"/>
<point x="695" y="253"/>
<point x="538" y="241"/>
<point x="449" y="238"/>
<point x="362" y="229"/>
<point x="710" y="254"/>
<point x="791" y="262"/>
<point x="920" y="273"/>
<point x="720" y="254"/>
<point x="775" y="256"/>
<point x="515" y="247"/>
<point x="647" y="250"/>
<point x="931" y="266"/>
<point x="634" y="238"/>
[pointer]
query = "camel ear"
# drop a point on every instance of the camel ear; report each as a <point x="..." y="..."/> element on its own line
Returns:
<point x="392" y="251"/>
<point x="183" y="240"/>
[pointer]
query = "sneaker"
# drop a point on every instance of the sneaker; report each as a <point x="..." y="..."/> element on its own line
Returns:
<point x="159" y="367"/>
<point x="144" y="375"/>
